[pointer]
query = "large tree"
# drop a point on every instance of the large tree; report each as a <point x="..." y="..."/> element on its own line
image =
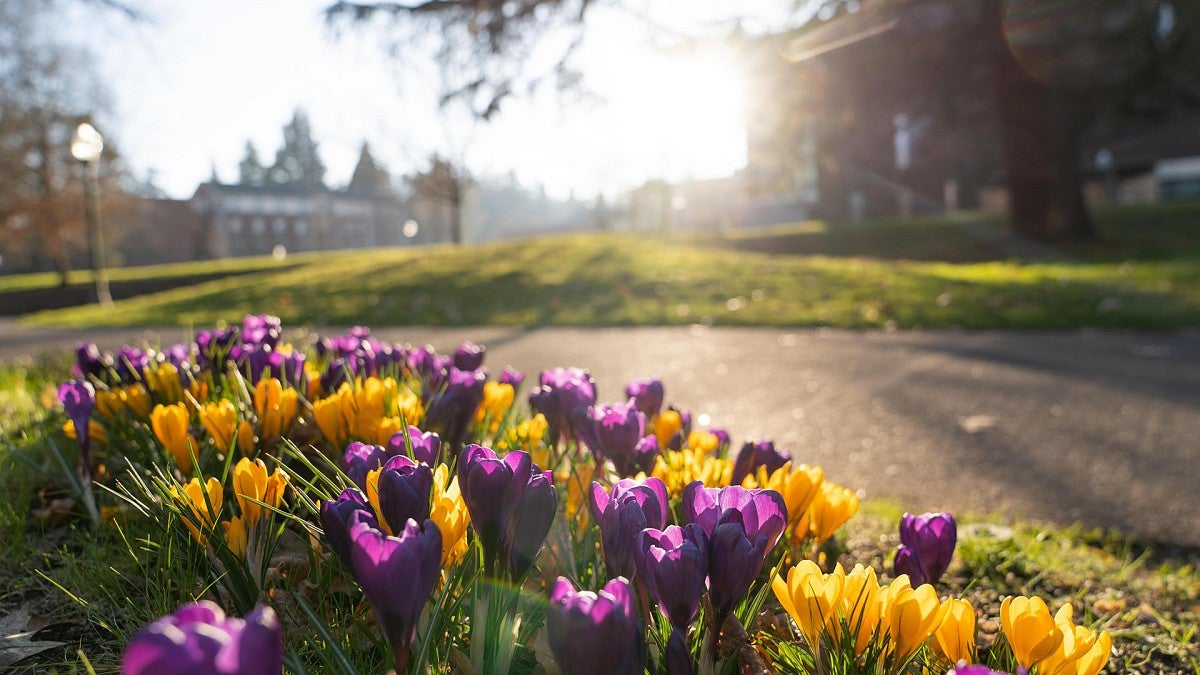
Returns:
<point x="46" y="90"/>
<point x="1049" y="71"/>
<point x="251" y="170"/>
<point x="297" y="161"/>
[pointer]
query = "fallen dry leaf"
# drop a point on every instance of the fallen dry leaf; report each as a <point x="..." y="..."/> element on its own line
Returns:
<point x="15" y="645"/>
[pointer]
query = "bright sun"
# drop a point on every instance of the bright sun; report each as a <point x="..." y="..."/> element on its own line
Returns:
<point x="693" y="110"/>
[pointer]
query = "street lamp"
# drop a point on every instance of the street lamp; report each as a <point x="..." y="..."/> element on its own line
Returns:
<point x="86" y="147"/>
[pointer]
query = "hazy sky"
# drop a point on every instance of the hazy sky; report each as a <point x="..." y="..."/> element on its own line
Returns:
<point x="197" y="79"/>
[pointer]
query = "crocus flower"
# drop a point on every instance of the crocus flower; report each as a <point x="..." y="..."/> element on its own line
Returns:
<point x="492" y="489"/>
<point x="404" y="487"/>
<point x="673" y="563"/>
<point x="362" y="458"/>
<point x="397" y="574"/>
<point x="926" y="546"/>
<point x="830" y="509"/>
<point x="631" y="507"/>
<point x="425" y="445"/>
<point x="954" y="638"/>
<point x="812" y="598"/>
<point x="1081" y="652"/>
<point x="672" y="427"/>
<point x="78" y="398"/>
<point x="559" y="393"/>
<point x="251" y="484"/>
<point x="679" y="659"/>
<point x="742" y="526"/>
<point x="449" y="513"/>
<point x="512" y="377"/>
<point x="1031" y="630"/>
<point x="276" y="407"/>
<point x="613" y="432"/>
<point x="862" y="604"/>
<point x="220" y="420"/>
<point x="90" y="362"/>
<point x="469" y="356"/>
<point x="595" y="632"/>
<point x="909" y="616"/>
<point x="755" y="454"/>
<point x="964" y="668"/>
<point x="799" y="488"/>
<point x="261" y="329"/>
<point x="497" y="399"/>
<point x="336" y="520"/>
<point x="202" y="501"/>
<point x="170" y="425"/>
<point x="530" y="523"/>
<point x="131" y="364"/>
<point x="647" y="395"/>
<point x="198" y="639"/>
<point x="452" y="407"/>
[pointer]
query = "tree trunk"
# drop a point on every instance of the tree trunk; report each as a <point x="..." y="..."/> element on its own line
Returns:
<point x="1039" y="150"/>
<point x="456" y="234"/>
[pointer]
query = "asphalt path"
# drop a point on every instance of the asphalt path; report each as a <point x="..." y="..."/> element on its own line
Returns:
<point x="1101" y="428"/>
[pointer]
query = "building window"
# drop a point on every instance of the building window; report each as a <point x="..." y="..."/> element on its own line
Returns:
<point x="280" y="226"/>
<point x="259" y="225"/>
<point x="301" y="227"/>
<point x="234" y="225"/>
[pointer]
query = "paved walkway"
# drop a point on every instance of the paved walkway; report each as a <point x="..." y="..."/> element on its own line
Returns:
<point x="1101" y="428"/>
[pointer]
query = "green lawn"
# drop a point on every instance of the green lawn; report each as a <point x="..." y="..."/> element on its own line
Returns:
<point x="927" y="273"/>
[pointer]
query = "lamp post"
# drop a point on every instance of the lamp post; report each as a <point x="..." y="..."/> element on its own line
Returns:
<point x="86" y="147"/>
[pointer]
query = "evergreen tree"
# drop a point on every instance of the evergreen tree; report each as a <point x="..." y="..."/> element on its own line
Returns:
<point x="297" y="161"/>
<point x="250" y="169"/>
<point x="370" y="178"/>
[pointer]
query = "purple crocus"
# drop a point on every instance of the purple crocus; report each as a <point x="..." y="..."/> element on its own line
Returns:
<point x="451" y="408"/>
<point x="742" y="526"/>
<point x="560" y="392"/>
<point x="404" y="487"/>
<point x="78" y="398"/>
<point x="963" y="668"/>
<point x="492" y="488"/>
<point x="131" y="364"/>
<point x="631" y="507"/>
<point x="527" y="530"/>
<point x="89" y="362"/>
<point x="595" y="632"/>
<point x="261" y="329"/>
<point x="722" y="440"/>
<point x="927" y="544"/>
<point x="755" y="454"/>
<point x="198" y="639"/>
<point x="397" y="574"/>
<point x="648" y="395"/>
<point x="426" y="446"/>
<point x="673" y="563"/>
<point x="512" y="377"/>
<point x="362" y="458"/>
<point x="644" y="455"/>
<point x="469" y="356"/>
<point x="679" y="659"/>
<point x="613" y="432"/>
<point x="339" y="515"/>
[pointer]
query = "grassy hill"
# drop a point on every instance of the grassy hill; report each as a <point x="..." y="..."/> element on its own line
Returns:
<point x="933" y="273"/>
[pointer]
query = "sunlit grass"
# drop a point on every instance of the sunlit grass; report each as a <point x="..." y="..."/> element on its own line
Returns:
<point x="625" y="280"/>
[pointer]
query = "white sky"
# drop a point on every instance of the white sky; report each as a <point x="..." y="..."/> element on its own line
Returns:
<point x="197" y="79"/>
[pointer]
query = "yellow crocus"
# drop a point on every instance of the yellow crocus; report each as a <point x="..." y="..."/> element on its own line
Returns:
<point x="527" y="436"/>
<point x="192" y="495"/>
<point x="799" y="488"/>
<point x="830" y="509"/>
<point x="120" y="402"/>
<point x="363" y="407"/>
<point x="1030" y="629"/>
<point x="164" y="381"/>
<point x="220" y="420"/>
<point x="449" y="512"/>
<point x="372" y="490"/>
<point x="170" y="425"/>
<point x="251" y="482"/>
<point x="387" y="427"/>
<point x="96" y="431"/>
<point x="407" y="406"/>
<point x="236" y="536"/>
<point x="910" y="616"/>
<point x="666" y="425"/>
<point x="1081" y="652"/>
<point x="954" y="638"/>
<point x="811" y="598"/>
<point x="703" y="441"/>
<point x="312" y="377"/>
<point x="861" y="604"/>
<point x="327" y="413"/>
<point x="497" y="399"/>
<point x="578" y="480"/>
<point x="677" y="468"/>
<point x="276" y="407"/>
<point x="245" y="438"/>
